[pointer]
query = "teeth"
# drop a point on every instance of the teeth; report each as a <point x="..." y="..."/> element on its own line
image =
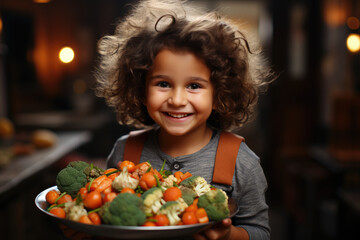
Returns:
<point x="177" y="115"/>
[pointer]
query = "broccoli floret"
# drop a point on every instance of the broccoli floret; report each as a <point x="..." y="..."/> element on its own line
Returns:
<point x="172" y="210"/>
<point x="188" y="194"/>
<point x="126" y="209"/>
<point x="215" y="203"/>
<point x="71" y="178"/>
<point x="153" y="200"/>
<point x="197" y="183"/>
<point x="78" y="165"/>
<point x="124" y="180"/>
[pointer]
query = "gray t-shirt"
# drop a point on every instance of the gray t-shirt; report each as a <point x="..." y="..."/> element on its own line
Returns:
<point x="249" y="182"/>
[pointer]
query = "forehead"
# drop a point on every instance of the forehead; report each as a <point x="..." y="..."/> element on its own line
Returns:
<point x="180" y="62"/>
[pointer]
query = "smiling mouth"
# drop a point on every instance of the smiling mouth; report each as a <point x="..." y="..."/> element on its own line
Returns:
<point x="182" y="115"/>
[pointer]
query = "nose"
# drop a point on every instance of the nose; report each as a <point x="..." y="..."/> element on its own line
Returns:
<point x="178" y="97"/>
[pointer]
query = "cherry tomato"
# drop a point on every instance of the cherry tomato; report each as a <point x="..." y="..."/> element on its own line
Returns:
<point x="161" y="220"/>
<point x="108" y="197"/>
<point x="189" y="218"/>
<point x="149" y="224"/>
<point x="172" y="194"/>
<point x="83" y="191"/>
<point x="64" y="199"/>
<point x="128" y="190"/>
<point x="93" y="200"/>
<point x="51" y="196"/>
<point x="85" y="219"/>
<point x="95" y="218"/>
<point x="147" y="181"/>
<point x="58" y="211"/>
<point x="129" y="164"/>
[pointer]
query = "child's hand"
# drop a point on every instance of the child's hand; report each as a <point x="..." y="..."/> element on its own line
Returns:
<point x="219" y="231"/>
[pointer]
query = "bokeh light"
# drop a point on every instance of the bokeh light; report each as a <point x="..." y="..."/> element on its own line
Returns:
<point x="353" y="23"/>
<point x="66" y="55"/>
<point x="353" y="42"/>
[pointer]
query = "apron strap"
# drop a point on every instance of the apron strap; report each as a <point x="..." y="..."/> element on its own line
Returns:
<point x="135" y="144"/>
<point x="226" y="155"/>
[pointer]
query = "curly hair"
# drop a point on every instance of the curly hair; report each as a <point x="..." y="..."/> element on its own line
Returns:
<point x="236" y="72"/>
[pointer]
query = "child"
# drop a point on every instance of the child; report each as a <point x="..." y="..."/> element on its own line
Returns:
<point x="190" y="77"/>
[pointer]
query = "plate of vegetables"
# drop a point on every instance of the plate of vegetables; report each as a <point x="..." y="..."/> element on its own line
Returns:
<point x="133" y="201"/>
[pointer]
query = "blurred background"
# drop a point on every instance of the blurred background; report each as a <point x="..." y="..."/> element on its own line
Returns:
<point x="306" y="131"/>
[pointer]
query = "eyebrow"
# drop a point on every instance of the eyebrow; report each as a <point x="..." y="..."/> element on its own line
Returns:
<point x="191" y="78"/>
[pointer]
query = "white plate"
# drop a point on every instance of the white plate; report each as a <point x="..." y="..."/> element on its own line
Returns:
<point x="129" y="232"/>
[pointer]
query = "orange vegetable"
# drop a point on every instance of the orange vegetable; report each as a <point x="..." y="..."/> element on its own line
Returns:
<point x="156" y="172"/>
<point x="85" y="219"/>
<point x="95" y="218"/>
<point x="185" y="176"/>
<point x="172" y="194"/>
<point x="104" y="184"/>
<point x="147" y="181"/>
<point x="99" y="184"/>
<point x="58" y="211"/>
<point x="83" y="191"/>
<point x="51" y="196"/>
<point x="65" y="198"/>
<point x="161" y="220"/>
<point x="149" y="224"/>
<point x="180" y="176"/>
<point x="108" y="197"/>
<point x="193" y="207"/>
<point x="93" y="200"/>
<point x="189" y="218"/>
<point x="201" y="215"/>
<point x="128" y="190"/>
<point x="113" y="175"/>
<point x="129" y="164"/>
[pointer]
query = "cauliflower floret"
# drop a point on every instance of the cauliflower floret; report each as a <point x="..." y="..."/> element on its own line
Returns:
<point x="172" y="210"/>
<point x="180" y="200"/>
<point x="124" y="180"/>
<point x="153" y="200"/>
<point x="169" y="181"/>
<point x="197" y="183"/>
<point x="74" y="211"/>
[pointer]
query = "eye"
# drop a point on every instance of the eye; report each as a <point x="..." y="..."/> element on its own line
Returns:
<point x="163" y="84"/>
<point x="194" y="86"/>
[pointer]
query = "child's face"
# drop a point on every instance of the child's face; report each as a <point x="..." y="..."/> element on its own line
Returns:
<point x="179" y="95"/>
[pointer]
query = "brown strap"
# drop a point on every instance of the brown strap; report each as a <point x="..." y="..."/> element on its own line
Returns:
<point x="226" y="155"/>
<point x="135" y="144"/>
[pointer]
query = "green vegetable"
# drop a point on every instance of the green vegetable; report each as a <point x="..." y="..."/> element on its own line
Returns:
<point x="152" y="200"/>
<point x="188" y="194"/>
<point x="215" y="203"/>
<point x="71" y="178"/>
<point x="92" y="171"/>
<point x="196" y="183"/>
<point x="172" y="210"/>
<point x="125" y="210"/>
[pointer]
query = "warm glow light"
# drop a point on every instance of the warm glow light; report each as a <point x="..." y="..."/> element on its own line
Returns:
<point x="1" y="25"/>
<point x="66" y="54"/>
<point x="41" y="1"/>
<point x="353" y="23"/>
<point x="353" y="42"/>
